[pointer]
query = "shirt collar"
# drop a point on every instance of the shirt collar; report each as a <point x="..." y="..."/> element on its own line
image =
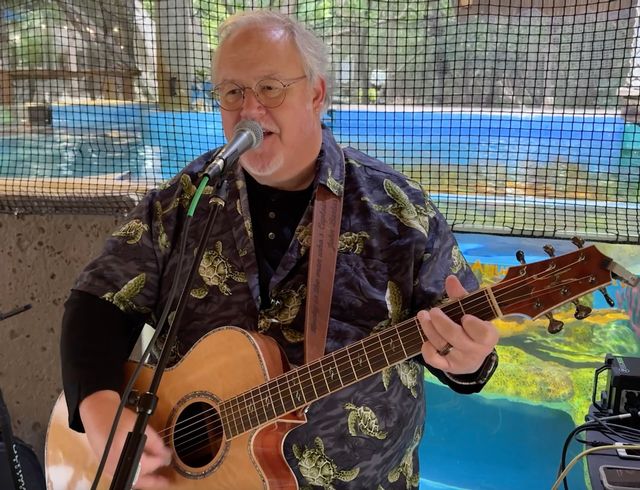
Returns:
<point x="330" y="170"/>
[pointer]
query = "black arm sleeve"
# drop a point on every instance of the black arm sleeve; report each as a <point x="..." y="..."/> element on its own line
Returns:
<point x="97" y="338"/>
<point x="465" y="383"/>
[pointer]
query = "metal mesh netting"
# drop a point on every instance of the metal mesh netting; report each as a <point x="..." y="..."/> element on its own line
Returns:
<point x="517" y="117"/>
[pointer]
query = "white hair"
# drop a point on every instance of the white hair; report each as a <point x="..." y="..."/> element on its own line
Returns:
<point x="313" y="51"/>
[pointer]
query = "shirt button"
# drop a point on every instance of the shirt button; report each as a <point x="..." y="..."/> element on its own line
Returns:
<point x="271" y="235"/>
<point x="272" y="214"/>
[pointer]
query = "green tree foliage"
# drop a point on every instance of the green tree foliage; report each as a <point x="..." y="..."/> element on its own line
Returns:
<point x="424" y="53"/>
<point x="32" y="35"/>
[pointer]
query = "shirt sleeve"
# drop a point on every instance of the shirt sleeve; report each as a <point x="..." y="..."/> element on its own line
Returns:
<point x="130" y="270"/>
<point x="97" y="338"/>
<point x="122" y="288"/>
<point x="442" y="257"/>
<point x="466" y="383"/>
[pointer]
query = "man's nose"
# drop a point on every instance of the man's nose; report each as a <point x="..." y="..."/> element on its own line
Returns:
<point x="250" y="104"/>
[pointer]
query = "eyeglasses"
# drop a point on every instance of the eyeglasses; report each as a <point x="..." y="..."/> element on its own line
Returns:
<point x="270" y="92"/>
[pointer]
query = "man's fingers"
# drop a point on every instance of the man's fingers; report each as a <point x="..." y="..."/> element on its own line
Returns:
<point x="150" y="464"/>
<point x="433" y="336"/>
<point x="432" y="357"/>
<point x="454" y="287"/>
<point x="152" y="481"/>
<point x="480" y="331"/>
<point x="155" y="447"/>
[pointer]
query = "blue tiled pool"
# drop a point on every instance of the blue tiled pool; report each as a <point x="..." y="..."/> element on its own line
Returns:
<point x="93" y="139"/>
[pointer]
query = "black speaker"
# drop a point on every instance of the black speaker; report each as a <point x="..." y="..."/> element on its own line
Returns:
<point x="622" y="394"/>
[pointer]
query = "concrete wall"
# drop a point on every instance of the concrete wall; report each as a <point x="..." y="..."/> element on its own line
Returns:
<point x="40" y="257"/>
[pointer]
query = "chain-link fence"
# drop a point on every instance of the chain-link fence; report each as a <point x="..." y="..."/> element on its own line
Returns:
<point x="518" y="118"/>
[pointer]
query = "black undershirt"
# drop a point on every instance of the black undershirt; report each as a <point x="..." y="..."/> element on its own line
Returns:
<point x="275" y="215"/>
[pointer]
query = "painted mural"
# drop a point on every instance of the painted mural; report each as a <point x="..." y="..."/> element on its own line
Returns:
<point x="553" y="374"/>
<point x="563" y="363"/>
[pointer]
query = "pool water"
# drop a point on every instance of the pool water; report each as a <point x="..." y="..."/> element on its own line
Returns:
<point x="88" y="140"/>
<point x="474" y="443"/>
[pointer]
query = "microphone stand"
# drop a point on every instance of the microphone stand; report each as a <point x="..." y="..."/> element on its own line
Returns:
<point x="128" y="464"/>
<point x="15" y="311"/>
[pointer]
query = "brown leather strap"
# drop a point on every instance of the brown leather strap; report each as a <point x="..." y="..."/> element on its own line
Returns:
<point x="327" y="213"/>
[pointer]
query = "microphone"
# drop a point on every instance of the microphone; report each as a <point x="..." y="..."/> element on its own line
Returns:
<point x="246" y="135"/>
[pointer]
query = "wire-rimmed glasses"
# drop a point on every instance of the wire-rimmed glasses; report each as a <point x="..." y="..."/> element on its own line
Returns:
<point x="270" y="92"/>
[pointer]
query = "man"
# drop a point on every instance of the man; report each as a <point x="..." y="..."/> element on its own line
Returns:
<point x="397" y="255"/>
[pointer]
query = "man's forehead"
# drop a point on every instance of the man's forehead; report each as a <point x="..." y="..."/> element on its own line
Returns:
<point x="259" y="53"/>
<point x="268" y="33"/>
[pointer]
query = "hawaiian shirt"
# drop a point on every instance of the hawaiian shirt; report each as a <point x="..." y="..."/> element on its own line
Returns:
<point x="395" y="251"/>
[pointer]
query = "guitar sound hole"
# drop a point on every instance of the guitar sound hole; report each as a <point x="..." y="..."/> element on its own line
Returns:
<point x="198" y="434"/>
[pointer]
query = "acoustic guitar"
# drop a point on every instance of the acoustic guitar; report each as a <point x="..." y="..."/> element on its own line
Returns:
<point x="225" y="407"/>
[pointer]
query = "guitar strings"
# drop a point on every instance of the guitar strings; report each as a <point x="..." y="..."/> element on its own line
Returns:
<point x="256" y="395"/>
<point x="300" y="383"/>
<point x="312" y="375"/>
<point x="455" y="303"/>
<point x="314" y="369"/>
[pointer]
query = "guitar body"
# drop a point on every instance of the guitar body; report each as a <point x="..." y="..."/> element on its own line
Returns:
<point x="221" y="365"/>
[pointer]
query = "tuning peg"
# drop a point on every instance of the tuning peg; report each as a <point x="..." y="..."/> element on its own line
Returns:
<point x="582" y="311"/>
<point x="607" y="298"/>
<point x="520" y="257"/>
<point x="550" y="251"/>
<point x="554" y="325"/>
<point x="577" y="241"/>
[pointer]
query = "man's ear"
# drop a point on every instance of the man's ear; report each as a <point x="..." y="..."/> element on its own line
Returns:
<point x="319" y="92"/>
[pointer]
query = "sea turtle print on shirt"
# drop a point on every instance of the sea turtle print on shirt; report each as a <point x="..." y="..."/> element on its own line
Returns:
<point x="409" y="374"/>
<point x="318" y="469"/>
<point x="363" y="420"/>
<point x="123" y="298"/>
<point x="348" y="242"/>
<point x="409" y="214"/>
<point x="215" y="270"/>
<point x="132" y="231"/>
<point x="284" y="308"/>
<point x="405" y="468"/>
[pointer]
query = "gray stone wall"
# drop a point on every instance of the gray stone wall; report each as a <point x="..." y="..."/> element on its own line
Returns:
<point x="40" y="257"/>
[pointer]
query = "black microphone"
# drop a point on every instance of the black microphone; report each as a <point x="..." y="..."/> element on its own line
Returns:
<point x="246" y="135"/>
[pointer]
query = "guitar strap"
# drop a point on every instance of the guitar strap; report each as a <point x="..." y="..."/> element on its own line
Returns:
<point x="327" y="214"/>
<point x="14" y="464"/>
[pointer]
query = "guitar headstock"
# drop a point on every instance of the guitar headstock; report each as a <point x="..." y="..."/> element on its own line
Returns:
<point x="535" y="289"/>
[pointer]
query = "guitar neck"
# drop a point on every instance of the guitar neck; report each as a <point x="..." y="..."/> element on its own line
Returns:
<point x="341" y="368"/>
<point x="529" y="289"/>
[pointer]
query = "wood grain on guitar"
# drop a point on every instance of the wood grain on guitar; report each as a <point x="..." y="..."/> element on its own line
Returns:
<point x="226" y="407"/>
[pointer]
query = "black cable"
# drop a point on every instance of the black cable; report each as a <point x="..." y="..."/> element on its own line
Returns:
<point x="620" y="431"/>
<point x="565" y="448"/>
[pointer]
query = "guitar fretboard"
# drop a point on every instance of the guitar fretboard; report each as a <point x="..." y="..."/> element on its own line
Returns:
<point x="339" y="369"/>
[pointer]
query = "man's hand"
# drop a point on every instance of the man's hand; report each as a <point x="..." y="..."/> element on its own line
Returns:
<point x="470" y="343"/>
<point x="97" y="412"/>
